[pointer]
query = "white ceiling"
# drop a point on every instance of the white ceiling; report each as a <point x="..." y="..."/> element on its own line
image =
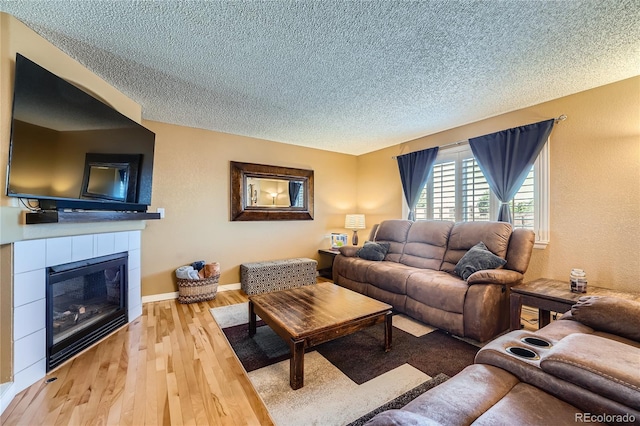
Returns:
<point x="350" y="77"/>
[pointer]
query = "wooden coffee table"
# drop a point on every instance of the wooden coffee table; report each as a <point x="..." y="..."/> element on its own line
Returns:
<point x="310" y="315"/>
<point x="552" y="295"/>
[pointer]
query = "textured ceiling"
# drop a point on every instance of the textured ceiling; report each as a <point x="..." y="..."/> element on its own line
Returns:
<point x="350" y="77"/>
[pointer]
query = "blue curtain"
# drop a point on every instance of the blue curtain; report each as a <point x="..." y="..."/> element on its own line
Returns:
<point x="415" y="168"/>
<point x="506" y="157"/>
<point x="294" y="190"/>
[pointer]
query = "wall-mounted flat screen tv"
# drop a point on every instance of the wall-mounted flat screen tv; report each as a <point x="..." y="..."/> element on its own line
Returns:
<point x="69" y="150"/>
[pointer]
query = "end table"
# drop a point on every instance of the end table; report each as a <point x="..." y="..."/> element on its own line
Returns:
<point x="328" y="271"/>
<point x="552" y="295"/>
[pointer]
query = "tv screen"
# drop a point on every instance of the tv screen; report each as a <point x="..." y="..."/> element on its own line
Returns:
<point x="69" y="150"/>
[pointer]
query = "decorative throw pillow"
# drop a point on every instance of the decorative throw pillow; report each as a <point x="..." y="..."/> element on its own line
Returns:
<point x="476" y="259"/>
<point x="373" y="251"/>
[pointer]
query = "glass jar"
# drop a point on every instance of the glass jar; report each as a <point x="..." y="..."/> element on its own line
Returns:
<point x="578" y="280"/>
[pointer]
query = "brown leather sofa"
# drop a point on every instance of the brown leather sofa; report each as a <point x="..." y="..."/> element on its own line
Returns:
<point x="583" y="368"/>
<point x="417" y="274"/>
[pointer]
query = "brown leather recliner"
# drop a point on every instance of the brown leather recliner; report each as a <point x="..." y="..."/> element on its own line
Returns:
<point x="584" y="368"/>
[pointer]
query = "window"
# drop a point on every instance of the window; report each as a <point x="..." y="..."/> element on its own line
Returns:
<point x="300" y="199"/>
<point x="458" y="191"/>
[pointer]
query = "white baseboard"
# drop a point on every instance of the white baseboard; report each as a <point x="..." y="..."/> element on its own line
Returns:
<point x="227" y="287"/>
<point x="174" y="295"/>
<point x="159" y="297"/>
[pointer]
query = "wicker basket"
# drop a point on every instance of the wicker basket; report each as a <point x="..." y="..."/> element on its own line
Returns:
<point x="191" y="291"/>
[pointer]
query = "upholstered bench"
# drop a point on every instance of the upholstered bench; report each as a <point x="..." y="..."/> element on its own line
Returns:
<point x="263" y="277"/>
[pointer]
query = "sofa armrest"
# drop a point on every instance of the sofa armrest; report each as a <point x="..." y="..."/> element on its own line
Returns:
<point x="496" y="276"/>
<point x="609" y="314"/>
<point x="348" y="251"/>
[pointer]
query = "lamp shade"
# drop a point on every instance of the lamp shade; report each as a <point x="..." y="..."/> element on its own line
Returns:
<point x="354" y="221"/>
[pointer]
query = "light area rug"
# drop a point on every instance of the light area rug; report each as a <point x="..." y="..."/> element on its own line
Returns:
<point x="328" y="396"/>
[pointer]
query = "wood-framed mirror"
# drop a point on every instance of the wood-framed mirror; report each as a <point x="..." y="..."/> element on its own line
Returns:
<point x="262" y="192"/>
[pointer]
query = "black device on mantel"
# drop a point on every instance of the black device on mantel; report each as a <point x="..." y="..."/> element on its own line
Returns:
<point x="70" y="150"/>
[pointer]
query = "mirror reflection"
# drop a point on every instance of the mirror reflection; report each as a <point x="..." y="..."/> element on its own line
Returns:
<point x="107" y="181"/>
<point x="274" y="192"/>
<point x="264" y="192"/>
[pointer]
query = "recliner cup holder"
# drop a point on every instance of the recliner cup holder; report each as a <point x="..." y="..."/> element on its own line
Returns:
<point x="536" y="341"/>
<point x="521" y="352"/>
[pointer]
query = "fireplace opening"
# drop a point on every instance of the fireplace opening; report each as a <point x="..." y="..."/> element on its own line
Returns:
<point x="86" y="301"/>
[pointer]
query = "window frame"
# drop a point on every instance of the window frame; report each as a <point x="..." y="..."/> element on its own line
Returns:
<point x="541" y="189"/>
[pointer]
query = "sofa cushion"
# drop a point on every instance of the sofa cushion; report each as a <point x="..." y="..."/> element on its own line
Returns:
<point x="438" y="290"/>
<point x="603" y="366"/>
<point x="528" y="405"/>
<point x="609" y="314"/>
<point x="464" y="235"/>
<point x="373" y="251"/>
<point x="395" y="233"/>
<point x="389" y="276"/>
<point x="426" y="244"/>
<point x="478" y="258"/>
<point x="464" y="397"/>
<point x="401" y="418"/>
<point x="352" y="268"/>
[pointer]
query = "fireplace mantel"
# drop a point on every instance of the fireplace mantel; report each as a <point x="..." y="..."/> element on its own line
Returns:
<point x="13" y="227"/>
<point x="34" y="218"/>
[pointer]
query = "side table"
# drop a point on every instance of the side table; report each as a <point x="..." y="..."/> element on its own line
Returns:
<point x="552" y="295"/>
<point x="331" y="254"/>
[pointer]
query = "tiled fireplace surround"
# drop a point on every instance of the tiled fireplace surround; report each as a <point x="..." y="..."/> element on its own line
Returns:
<point x="30" y="260"/>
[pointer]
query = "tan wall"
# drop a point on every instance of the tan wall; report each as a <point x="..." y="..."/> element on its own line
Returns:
<point x="191" y="181"/>
<point x="595" y="182"/>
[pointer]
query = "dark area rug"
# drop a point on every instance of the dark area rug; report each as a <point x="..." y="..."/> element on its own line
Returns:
<point x="265" y="348"/>
<point x="360" y="355"/>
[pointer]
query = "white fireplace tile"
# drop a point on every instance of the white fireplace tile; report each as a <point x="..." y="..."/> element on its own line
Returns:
<point x="58" y="251"/>
<point x="81" y="247"/>
<point x="29" y="287"/>
<point x="134" y="240"/>
<point x="134" y="259"/>
<point x="28" y="255"/>
<point x="29" y="350"/>
<point x="134" y="277"/>
<point x="30" y="375"/>
<point x="135" y="297"/>
<point x="134" y="312"/>
<point x="29" y="318"/>
<point x="106" y="244"/>
<point x="121" y="242"/>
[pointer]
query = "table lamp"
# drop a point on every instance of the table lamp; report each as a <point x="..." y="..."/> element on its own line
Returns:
<point x="354" y="222"/>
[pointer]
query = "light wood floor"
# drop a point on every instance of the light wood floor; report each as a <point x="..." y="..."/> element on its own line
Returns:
<point x="172" y="365"/>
